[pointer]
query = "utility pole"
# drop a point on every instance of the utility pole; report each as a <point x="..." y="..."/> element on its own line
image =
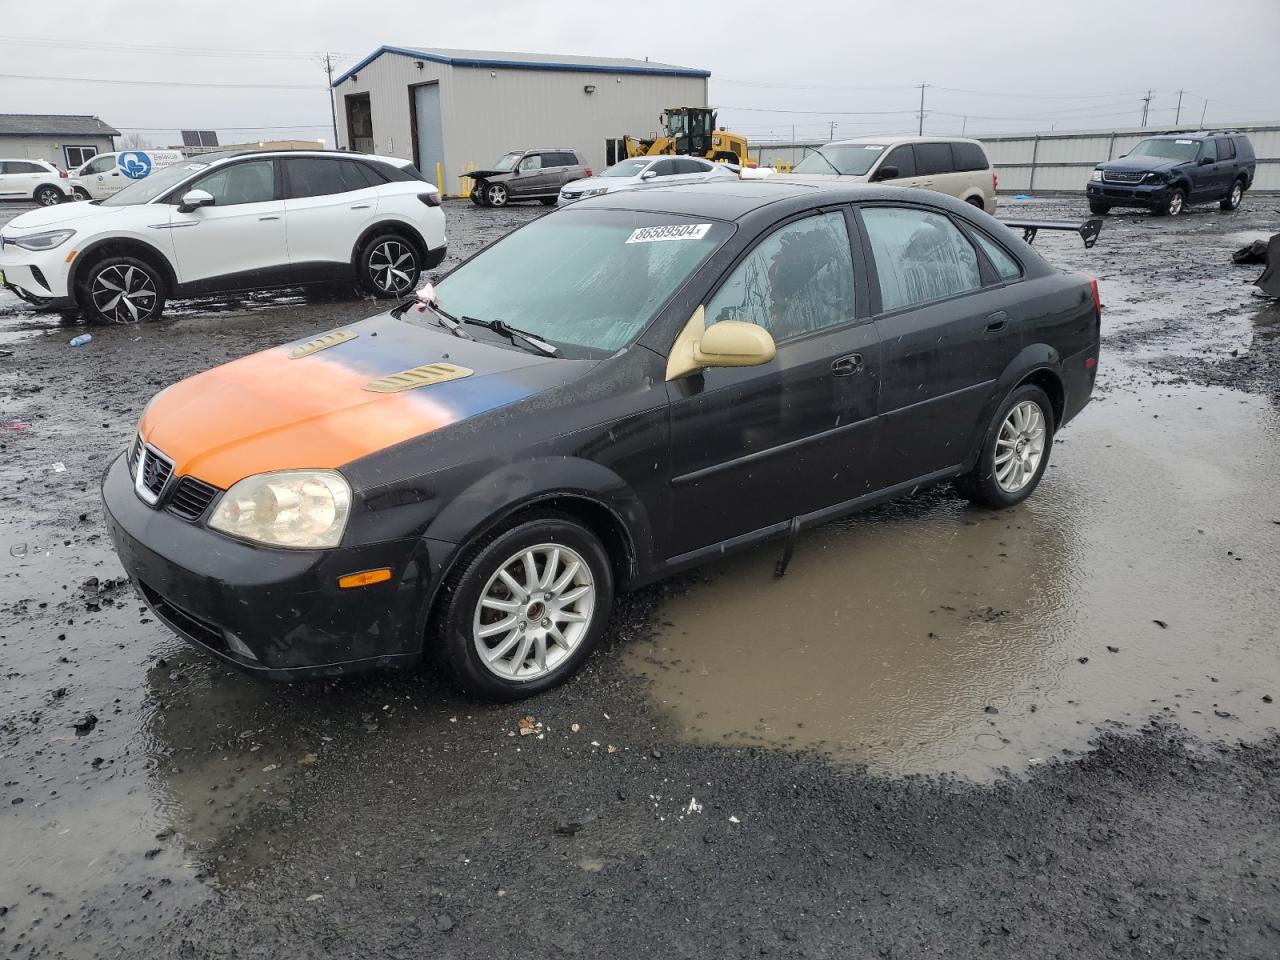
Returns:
<point x="920" y="128"/>
<point x="832" y="134"/>
<point x="963" y="125"/>
<point x="1177" y="117"/>
<point x="1146" y="105"/>
<point x="1203" y="112"/>
<point x="333" y="110"/>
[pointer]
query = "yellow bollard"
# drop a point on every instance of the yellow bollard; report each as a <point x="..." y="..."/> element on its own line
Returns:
<point x="440" y="178"/>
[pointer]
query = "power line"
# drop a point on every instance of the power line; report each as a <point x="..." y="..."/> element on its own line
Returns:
<point x="217" y="126"/>
<point x="237" y="54"/>
<point x="313" y="87"/>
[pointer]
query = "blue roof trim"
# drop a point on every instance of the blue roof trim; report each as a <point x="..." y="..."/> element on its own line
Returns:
<point x="520" y="65"/>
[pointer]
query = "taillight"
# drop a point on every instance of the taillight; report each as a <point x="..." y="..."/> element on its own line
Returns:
<point x="995" y="182"/>
<point x="589" y="172"/>
<point x="1097" y="299"/>
<point x="431" y="199"/>
<point x="63" y="174"/>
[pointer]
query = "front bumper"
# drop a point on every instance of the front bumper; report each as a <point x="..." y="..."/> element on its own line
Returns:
<point x="283" y="606"/>
<point x="41" y="274"/>
<point x="1128" y="194"/>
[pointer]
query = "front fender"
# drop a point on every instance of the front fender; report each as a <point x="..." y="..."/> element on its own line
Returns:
<point x="489" y="501"/>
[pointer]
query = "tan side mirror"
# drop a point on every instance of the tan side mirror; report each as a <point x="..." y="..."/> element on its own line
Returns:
<point x="729" y="343"/>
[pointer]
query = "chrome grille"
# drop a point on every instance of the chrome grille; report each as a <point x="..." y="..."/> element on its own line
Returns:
<point x="191" y="498"/>
<point x="135" y="453"/>
<point x="1123" y="176"/>
<point x="153" y="473"/>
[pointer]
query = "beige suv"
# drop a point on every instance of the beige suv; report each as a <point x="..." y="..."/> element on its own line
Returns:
<point x="949" y="165"/>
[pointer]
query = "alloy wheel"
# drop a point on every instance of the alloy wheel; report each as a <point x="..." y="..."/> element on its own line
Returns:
<point x="123" y="294"/>
<point x="534" y="612"/>
<point x="392" y="267"/>
<point x="1237" y="193"/>
<point x="496" y="195"/>
<point x="1020" y="446"/>
<point x="48" y="197"/>
<point x="1175" y="203"/>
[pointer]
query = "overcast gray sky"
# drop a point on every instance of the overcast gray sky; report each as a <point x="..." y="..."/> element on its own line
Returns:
<point x="1003" y="64"/>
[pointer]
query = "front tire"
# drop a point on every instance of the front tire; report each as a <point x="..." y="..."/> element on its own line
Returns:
<point x="524" y="608"/>
<point x="80" y="193"/>
<point x="1015" y="451"/>
<point x="496" y="195"/>
<point x="1099" y="207"/>
<point x="48" y="196"/>
<point x="389" y="266"/>
<point x="123" y="290"/>
<point x="1232" y="200"/>
<point x="1174" y="205"/>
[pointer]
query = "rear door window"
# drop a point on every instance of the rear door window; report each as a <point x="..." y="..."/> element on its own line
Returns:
<point x="920" y="256"/>
<point x="690" y="165"/>
<point x="968" y="156"/>
<point x="796" y="280"/>
<point x="1226" y="148"/>
<point x="22" y="166"/>
<point x="314" y="177"/>
<point x="357" y="176"/>
<point x="904" y="159"/>
<point x="933" y="158"/>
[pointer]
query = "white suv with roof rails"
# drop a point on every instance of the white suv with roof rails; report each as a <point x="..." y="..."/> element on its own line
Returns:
<point x="229" y="222"/>
<point x="950" y="165"/>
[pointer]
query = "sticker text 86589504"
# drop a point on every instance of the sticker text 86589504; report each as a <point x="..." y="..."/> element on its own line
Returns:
<point x="675" y="231"/>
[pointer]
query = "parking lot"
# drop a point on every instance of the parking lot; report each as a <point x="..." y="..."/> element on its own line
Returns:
<point x="944" y="732"/>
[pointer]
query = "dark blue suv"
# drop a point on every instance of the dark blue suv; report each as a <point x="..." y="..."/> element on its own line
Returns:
<point x="1166" y="173"/>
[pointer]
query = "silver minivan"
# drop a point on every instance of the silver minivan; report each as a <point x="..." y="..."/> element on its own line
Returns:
<point x="950" y="165"/>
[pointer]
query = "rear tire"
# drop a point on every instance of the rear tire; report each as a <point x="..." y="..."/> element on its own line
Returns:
<point x="546" y="637"/>
<point x="80" y="193"/>
<point x="1015" y="451"/>
<point x="48" y="196"/>
<point x="976" y="202"/>
<point x="122" y="290"/>
<point x="1099" y="207"/>
<point x="548" y="201"/>
<point x="388" y="266"/>
<point x="1232" y="200"/>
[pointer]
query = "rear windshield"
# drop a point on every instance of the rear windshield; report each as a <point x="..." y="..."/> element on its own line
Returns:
<point x="847" y="159"/>
<point x="156" y="185"/>
<point x="589" y="281"/>
<point x="1167" y="148"/>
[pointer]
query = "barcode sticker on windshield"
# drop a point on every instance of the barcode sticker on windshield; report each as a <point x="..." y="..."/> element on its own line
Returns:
<point x="676" y="231"/>
<point x="1184" y="141"/>
<point x="870" y="146"/>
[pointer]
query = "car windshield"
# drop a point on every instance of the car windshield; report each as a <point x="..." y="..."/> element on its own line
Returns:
<point x="508" y="160"/>
<point x="590" y="282"/>
<point x="1166" y="148"/>
<point x="850" y="159"/>
<point x="627" y="168"/>
<point x="156" y="185"/>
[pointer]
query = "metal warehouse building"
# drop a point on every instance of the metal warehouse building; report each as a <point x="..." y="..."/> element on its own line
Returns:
<point x="463" y="109"/>
<point x="65" y="141"/>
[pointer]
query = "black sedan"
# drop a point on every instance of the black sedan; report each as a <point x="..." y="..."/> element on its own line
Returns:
<point x="617" y="391"/>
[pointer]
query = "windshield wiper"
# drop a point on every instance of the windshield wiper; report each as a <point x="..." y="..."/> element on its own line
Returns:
<point x="828" y="162"/>
<point x="446" y="321"/>
<point x="512" y="334"/>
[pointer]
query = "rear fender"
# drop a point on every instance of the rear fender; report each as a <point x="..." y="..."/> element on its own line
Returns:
<point x="1039" y="356"/>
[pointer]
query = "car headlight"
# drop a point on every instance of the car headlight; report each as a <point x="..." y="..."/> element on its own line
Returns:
<point x="40" y="241"/>
<point x="1155" y="177"/>
<point x="1096" y="175"/>
<point x="300" y="509"/>
<point x="595" y="191"/>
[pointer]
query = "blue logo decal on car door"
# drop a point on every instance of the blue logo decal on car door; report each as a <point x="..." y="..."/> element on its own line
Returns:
<point x="134" y="165"/>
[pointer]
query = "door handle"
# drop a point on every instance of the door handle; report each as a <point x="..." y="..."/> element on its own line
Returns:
<point x="846" y="366"/>
<point x="997" y="321"/>
<point x="272" y="216"/>
<point x="360" y="206"/>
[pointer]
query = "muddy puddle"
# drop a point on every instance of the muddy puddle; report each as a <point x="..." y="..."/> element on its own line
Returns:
<point x="1142" y="578"/>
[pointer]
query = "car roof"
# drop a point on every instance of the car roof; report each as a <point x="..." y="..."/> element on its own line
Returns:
<point x="898" y="138"/>
<point x="222" y="156"/>
<point x="726" y="198"/>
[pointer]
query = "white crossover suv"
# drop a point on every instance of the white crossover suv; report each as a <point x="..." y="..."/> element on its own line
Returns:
<point x="229" y="222"/>
<point x="36" y="180"/>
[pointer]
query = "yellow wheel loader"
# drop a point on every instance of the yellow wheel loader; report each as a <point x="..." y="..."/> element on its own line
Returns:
<point x="690" y="131"/>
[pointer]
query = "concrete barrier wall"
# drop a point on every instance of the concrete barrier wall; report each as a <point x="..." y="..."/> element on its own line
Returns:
<point x="1061" y="161"/>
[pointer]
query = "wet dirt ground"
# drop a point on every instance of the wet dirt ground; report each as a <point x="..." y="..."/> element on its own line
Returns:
<point x="1084" y="684"/>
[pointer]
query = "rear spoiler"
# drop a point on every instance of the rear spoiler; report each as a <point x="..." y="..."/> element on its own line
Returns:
<point x="1088" y="230"/>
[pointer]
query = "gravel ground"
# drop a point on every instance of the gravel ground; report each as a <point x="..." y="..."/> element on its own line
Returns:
<point x="156" y="804"/>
